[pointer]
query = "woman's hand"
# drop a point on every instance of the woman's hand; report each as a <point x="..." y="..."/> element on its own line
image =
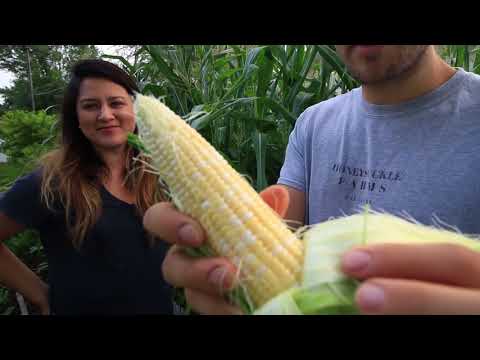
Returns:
<point x="40" y="302"/>
<point x="415" y="279"/>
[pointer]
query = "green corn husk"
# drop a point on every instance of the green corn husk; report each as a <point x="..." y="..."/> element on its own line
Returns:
<point x="325" y="290"/>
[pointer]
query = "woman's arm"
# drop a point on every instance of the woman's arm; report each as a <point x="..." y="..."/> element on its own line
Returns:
<point x="14" y="274"/>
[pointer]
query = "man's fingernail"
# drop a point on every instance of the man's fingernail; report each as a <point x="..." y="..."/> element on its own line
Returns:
<point x="218" y="276"/>
<point x="356" y="260"/>
<point x="187" y="235"/>
<point x="370" y="297"/>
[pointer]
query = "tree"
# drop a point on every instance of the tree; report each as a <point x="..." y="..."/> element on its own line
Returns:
<point x="41" y="73"/>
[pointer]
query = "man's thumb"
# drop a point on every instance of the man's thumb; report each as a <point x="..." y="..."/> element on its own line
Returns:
<point x="278" y="198"/>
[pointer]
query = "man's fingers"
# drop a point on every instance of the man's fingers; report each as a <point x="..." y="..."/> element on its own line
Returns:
<point x="207" y="304"/>
<point x="442" y="263"/>
<point x="172" y="226"/>
<point x="169" y="224"/>
<point x="278" y="198"/>
<point x="410" y="297"/>
<point x="211" y="275"/>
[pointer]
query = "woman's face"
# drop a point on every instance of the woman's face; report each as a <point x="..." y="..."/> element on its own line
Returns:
<point x="105" y="113"/>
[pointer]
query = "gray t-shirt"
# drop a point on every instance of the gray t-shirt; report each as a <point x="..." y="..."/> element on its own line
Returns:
<point x="420" y="158"/>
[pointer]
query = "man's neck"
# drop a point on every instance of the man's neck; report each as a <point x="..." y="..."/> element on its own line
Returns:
<point x="427" y="75"/>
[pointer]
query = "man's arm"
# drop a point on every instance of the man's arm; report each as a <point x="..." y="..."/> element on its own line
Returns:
<point x="295" y="214"/>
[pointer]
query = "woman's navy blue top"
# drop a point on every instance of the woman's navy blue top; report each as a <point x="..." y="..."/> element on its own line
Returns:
<point x="116" y="272"/>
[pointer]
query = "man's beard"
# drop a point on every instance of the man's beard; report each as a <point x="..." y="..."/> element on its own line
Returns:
<point x="406" y="61"/>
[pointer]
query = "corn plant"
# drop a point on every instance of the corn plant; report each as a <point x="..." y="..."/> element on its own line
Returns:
<point x="243" y="99"/>
<point x="464" y="56"/>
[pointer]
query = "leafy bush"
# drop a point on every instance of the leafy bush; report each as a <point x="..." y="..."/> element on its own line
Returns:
<point x="26" y="135"/>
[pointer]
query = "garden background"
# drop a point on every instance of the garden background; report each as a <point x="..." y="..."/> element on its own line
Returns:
<point x="244" y="99"/>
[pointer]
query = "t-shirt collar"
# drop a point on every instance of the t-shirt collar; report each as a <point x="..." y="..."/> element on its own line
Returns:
<point x="421" y="102"/>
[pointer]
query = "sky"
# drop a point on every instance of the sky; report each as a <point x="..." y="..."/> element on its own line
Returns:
<point x="6" y="77"/>
<point x="5" y="80"/>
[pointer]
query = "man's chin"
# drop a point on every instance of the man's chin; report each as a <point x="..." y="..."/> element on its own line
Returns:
<point x="374" y="79"/>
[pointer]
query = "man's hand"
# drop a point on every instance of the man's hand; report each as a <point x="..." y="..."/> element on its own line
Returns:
<point x="415" y="279"/>
<point x="205" y="279"/>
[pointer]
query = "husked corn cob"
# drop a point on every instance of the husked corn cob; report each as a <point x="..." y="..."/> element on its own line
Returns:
<point x="239" y="224"/>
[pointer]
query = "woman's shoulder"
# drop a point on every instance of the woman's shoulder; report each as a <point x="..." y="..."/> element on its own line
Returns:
<point x="30" y="181"/>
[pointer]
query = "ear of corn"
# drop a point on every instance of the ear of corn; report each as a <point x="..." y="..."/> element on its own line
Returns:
<point x="280" y="273"/>
<point x="326" y="242"/>
<point x="239" y="225"/>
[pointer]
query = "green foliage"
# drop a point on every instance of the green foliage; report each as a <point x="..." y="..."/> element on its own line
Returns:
<point x="243" y="99"/>
<point x="7" y="304"/>
<point x="26" y="135"/>
<point x="464" y="56"/>
<point x="28" y="248"/>
<point x="26" y="245"/>
<point x="49" y="67"/>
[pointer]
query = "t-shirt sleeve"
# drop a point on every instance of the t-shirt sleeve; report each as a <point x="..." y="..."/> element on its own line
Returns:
<point x="22" y="202"/>
<point x="292" y="172"/>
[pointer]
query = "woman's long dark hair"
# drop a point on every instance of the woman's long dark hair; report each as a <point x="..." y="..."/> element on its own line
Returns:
<point x="73" y="172"/>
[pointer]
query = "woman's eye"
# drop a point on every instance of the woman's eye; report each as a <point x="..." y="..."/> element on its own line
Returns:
<point x="89" y="106"/>
<point x="117" y="104"/>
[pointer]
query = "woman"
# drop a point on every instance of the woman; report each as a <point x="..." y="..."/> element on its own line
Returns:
<point x="87" y="200"/>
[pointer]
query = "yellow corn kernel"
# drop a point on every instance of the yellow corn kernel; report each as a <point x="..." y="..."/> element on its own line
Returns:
<point x="239" y="224"/>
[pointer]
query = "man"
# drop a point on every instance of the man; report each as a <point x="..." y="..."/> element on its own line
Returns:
<point x="405" y="142"/>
